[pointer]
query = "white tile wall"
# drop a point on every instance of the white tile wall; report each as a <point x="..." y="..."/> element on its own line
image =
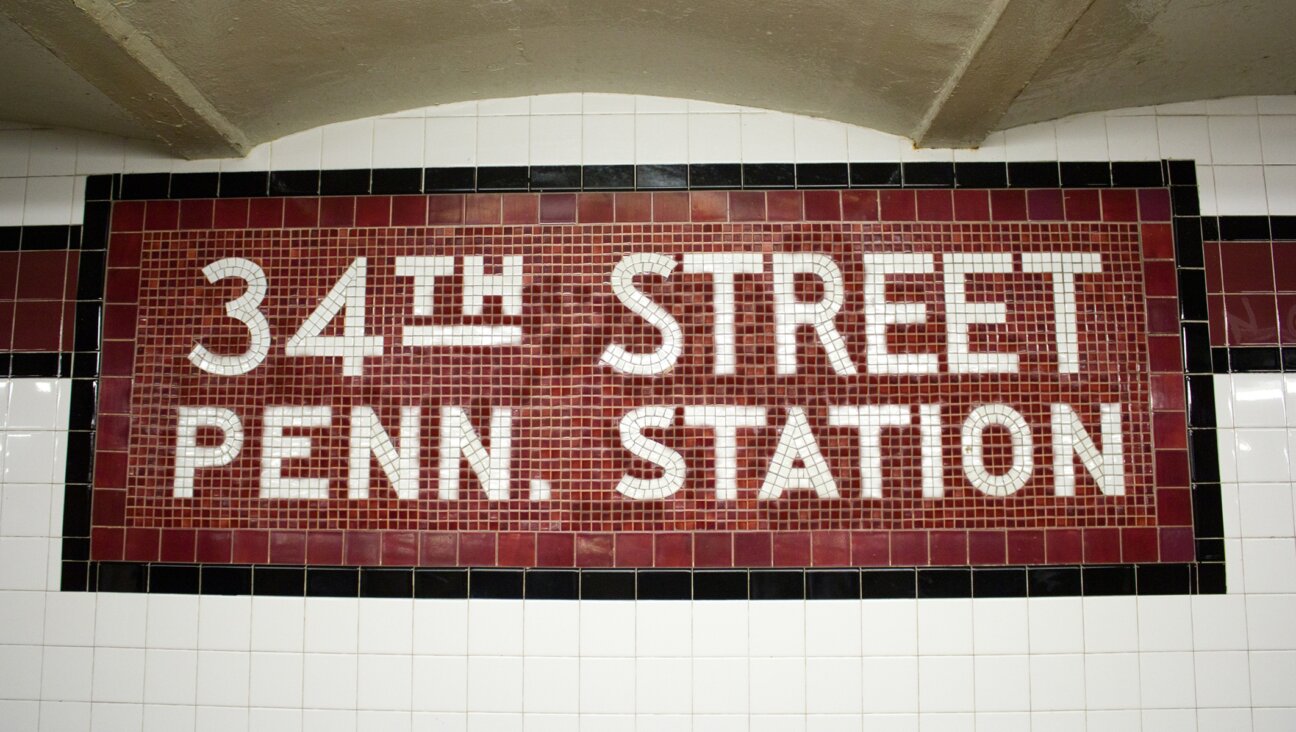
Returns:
<point x="75" y="661"/>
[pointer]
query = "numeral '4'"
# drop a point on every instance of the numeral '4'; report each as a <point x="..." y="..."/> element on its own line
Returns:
<point x="353" y="345"/>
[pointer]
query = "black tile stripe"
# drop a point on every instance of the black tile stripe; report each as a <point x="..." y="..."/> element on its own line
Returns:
<point x="1206" y="575"/>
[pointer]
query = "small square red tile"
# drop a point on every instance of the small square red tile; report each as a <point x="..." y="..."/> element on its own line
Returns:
<point x="287" y="547"/>
<point x="1170" y="430"/>
<point x="324" y="547"/>
<point x="301" y="213"/>
<point x="898" y="205"/>
<point x="521" y="208"/>
<point x="477" y="549"/>
<point x="1119" y="204"/>
<point x="400" y="548"/>
<point x="108" y="508"/>
<point x="753" y="549"/>
<point x="987" y="547"/>
<point x="594" y="550"/>
<point x="1247" y="266"/>
<point x="1063" y="546"/>
<point x="1102" y="546"/>
<point x="558" y="208"/>
<point x="231" y="213"/>
<point x="1167" y="391"/>
<point x="1164" y="353"/>
<point x="117" y="358"/>
<point x="438" y="549"/>
<point x="42" y="275"/>
<point x="445" y="209"/>
<point x="197" y="214"/>
<point x="633" y="207"/>
<point x="112" y="432"/>
<point x="1284" y="265"/>
<point x="1214" y="269"/>
<point x="1139" y="545"/>
<point x="124" y="250"/>
<point x="555" y="550"/>
<point x="363" y="548"/>
<point x="859" y="205"/>
<point x="1160" y="279"/>
<point x="214" y="546"/>
<point x="517" y="549"/>
<point x="746" y="205"/>
<point x="127" y="216"/>
<point x="870" y="548"/>
<point x="31" y="325"/>
<point x="1177" y="545"/>
<point x="142" y="544"/>
<point x="634" y="549"/>
<point x="1286" y="318"/>
<point x="1158" y="241"/>
<point x="1007" y="205"/>
<point x="673" y="550"/>
<point x="791" y="549"/>
<point x="784" y="206"/>
<point x="1044" y="204"/>
<point x="1154" y="204"/>
<point x="251" y="546"/>
<point x="713" y="549"/>
<point x="107" y="543"/>
<point x="1251" y="320"/>
<point x="337" y="211"/>
<point x="482" y="208"/>
<point x="162" y="216"/>
<point x="948" y="548"/>
<point x="1171" y="468"/>
<point x="822" y="205"/>
<point x="1174" y="507"/>
<point x="909" y="548"/>
<point x="971" y="205"/>
<point x="1026" y="547"/>
<point x="594" y="208"/>
<point x="708" y="206"/>
<point x="1163" y="315"/>
<point x="178" y="545"/>
<point x="830" y="548"/>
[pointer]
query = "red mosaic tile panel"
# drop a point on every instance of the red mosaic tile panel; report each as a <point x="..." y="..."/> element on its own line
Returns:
<point x="1251" y="292"/>
<point x="925" y="415"/>
<point x="37" y="294"/>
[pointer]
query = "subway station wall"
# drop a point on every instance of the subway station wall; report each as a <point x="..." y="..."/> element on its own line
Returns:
<point x="1197" y="658"/>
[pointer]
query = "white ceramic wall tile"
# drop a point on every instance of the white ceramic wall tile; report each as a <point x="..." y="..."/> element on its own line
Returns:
<point x="15" y="152"/>
<point x="503" y="140"/>
<point x="945" y="627"/>
<point x="555" y="139"/>
<point x="1235" y="140"/>
<point x="715" y="138"/>
<point x="819" y="140"/>
<point x="1280" y="189"/>
<point x="1082" y="137"/>
<point x="256" y="159"/>
<point x="608" y="139"/>
<point x="832" y="686"/>
<point x="768" y="137"/>
<point x="662" y="629"/>
<point x="398" y="142"/>
<point x="1132" y="138"/>
<point x="298" y="151"/>
<point x="49" y="201"/>
<point x="607" y="629"/>
<point x="1239" y="190"/>
<point x="1032" y="142"/>
<point x="661" y="138"/>
<point x="332" y="625"/>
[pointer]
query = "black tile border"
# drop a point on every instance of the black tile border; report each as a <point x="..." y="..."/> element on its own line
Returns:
<point x="1205" y="575"/>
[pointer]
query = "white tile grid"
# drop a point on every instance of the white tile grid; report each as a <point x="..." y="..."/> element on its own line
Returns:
<point x="70" y="661"/>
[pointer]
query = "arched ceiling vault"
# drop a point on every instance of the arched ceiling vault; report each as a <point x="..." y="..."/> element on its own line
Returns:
<point x="216" y="77"/>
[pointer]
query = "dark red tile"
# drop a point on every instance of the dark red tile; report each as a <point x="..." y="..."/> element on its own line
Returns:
<point x="400" y="548"/>
<point x="1171" y="468"/>
<point x="142" y="544"/>
<point x="197" y="214"/>
<point x="670" y="206"/>
<point x="1120" y="204"/>
<point x="633" y="207"/>
<point x="753" y="549"/>
<point x="483" y="208"/>
<point x="706" y="206"/>
<point x="791" y="549"/>
<point x="301" y="212"/>
<point x="1154" y="204"/>
<point x="673" y="550"/>
<point x="830" y="548"/>
<point x="521" y="208"/>
<point x="822" y="205"/>
<point x="1251" y="320"/>
<point x="1174" y="507"/>
<point x="713" y="549"/>
<point x="117" y="358"/>
<point x="1082" y="205"/>
<point x="1163" y="315"/>
<point x="178" y="545"/>
<point x="446" y="209"/>
<point x="1177" y="545"/>
<point x="746" y="205"/>
<point x="517" y="549"/>
<point x="1165" y="354"/>
<point x="231" y="213"/>
<point x="1214" y="269"/>
<point x="161" y="216"/>
<point x="1102" y="546"/>
<point x="971" y="205"/>
<point x="409" y="210"/>
<point x="1215" y="316"/>
<point x="108" y="507"/>
<point x="1167" y="391"/>
<point x="859" y="205"/>
<point x="287" y="547"/>
<point x="634" y="549"/>
<point x="323" y="547"/>
<point x="477" y="549"/>
<point x="909" y="548"/>
<point x="1044" y="204"/>
<point x="555" y="550"/>
<point x="1160" y="278"/>
<point x="438" y="549"/>
<point x="214" y="546"/>
<point x="1062" y="546"/>
<point x="1139" y="545"/>
<point x="1170" y="430"/>
<point x="595" y="208"/>
<point x="112" y="432"/>
<point x="363" y="548"/>
<point x="1247" y="266"/>
<point x="1026" y="547"/>
<point x="1284" y="265"/>
<point x="1006" y="205"/>
<point x="107" y="543"/>
<point x="337" y="211"/>
<point x="31" y="326"/>
<point x="266" y="213"/>
<point x="898" y="205"/>
<point x="115" y="400"/>
<point x="784" y="206"/>
<point x="6" y="325"/>
<point x="987" y="547"/>
<point x="8" y="274"/>
<point x="1158" y="241"/>
<point x="870" y="548"/>
<point x="935" y="205"/>
<point x="372" y="211"/>
<point x="253" y="547"/>
<point x="558" y="208"/>
<point x="43" y="275"/>
<point x="128" y="216"/>
<point x="594" y="550"/>
<point x="1286" y="318"/>
<point x="948" y="547"/>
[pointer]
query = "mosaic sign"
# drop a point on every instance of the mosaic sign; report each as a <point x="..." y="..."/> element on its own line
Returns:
<point x="818" y="378"/>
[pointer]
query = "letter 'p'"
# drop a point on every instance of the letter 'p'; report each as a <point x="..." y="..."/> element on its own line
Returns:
<point x="190" y="457"/>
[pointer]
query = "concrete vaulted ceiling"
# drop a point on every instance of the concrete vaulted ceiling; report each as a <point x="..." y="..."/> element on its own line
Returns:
<point x="216" y="77"/>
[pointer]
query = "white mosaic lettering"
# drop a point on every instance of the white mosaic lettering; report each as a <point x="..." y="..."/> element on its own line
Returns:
<point x="1070" y="439"/>
<point x="277" y="447"/>
<point x="870" y="420"/>
<point x="1023" y="461"/>
<point x="879" y="313"/>
<point x="190" y="457"/>
<point x="790" y="313"/>
<point x="243" y="309"/>
<point x="425" y="271"/>
<point x="458" y="438"/>
<point x="1064" y="267"/>
<point x="722" y="268"/>
<point x="797" y="442"/>
<point x="353" y="345"/>
<point x="368" y="437"/>
<point x="672" y="345"/>
<point x="959" y="314"/>
<point x="672" y="463"/>
<point x="933" y="460"/>
<point x="725" y="421"/>
<point x="478" y="285"/>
